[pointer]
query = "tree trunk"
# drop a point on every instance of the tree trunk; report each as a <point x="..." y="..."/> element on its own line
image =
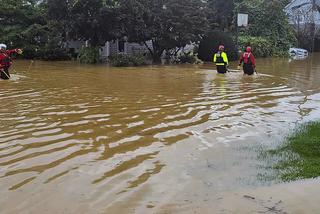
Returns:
<point x="156" y="58"/>
<point x="150" y="51"/>
<point x="157" y="52"/>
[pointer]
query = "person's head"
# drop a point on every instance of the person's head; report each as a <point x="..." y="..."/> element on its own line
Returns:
<point x="3" y="47"/>
<point x="221" y="48"/>
<point x="248" y="49"/>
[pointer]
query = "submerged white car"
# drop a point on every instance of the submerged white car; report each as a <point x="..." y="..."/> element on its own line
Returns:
<point x="298" y="52"/>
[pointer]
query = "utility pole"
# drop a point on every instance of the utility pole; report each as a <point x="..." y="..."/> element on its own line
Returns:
<point x="298" y="29"/>
<point x="237" y="38"/>
<point x="314" y="8"/>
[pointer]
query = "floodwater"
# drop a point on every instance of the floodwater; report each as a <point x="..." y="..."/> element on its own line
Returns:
<point x="161" y="139"/>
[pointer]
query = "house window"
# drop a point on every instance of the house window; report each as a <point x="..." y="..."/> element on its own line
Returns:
<point x="121" y="46"/>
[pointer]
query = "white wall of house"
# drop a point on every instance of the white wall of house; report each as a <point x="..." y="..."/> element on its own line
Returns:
<point x="119" y="46"/>
<point x="76" y="45"/>
<point x="105" y="51"/>
<point x="302" y="14"/>
<point x="136" y="48"/>
<point x="303" y="9"/>
<point x="113" y="47"/>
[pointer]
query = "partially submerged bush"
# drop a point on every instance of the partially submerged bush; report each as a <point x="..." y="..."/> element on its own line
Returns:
<point x="188" y="58"/>
<point x="89" y="55"/>
<point x="187" y="54"/>
<point x="138" y="60"/>
<point x="123" y="60"/>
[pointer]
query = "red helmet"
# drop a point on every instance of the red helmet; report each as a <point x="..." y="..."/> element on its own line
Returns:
<point x="248" y="49"/>
<point x="221" y="47"/>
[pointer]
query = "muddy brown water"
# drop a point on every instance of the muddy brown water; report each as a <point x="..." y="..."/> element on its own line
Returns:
<point x="157" y="139"/>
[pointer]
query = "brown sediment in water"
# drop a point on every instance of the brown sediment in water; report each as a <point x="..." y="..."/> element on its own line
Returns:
<point x="168" y="139"/>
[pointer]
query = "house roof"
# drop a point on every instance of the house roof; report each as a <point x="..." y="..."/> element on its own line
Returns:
<point x="317" y="4"/>
<point x="300" y="3"/>
<point x="304" y="6"/>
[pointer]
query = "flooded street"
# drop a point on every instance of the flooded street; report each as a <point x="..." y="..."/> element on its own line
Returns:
<point x="162" y="139"/>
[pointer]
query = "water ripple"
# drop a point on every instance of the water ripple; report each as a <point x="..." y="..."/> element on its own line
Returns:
<point x="114" y="129"/>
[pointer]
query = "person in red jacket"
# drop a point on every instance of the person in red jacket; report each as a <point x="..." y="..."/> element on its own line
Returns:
<point x="6" y="61"/>
<point x="249" y="64"/>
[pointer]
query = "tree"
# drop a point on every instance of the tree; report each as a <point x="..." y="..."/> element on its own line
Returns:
<point x="95" y="21"/>
<point x="167" y="23"/>
<point x="221" y="14"/>
<point x="22" y="23"/>
<point x="92" y="20"/>
<point x="59" y="18"/>
<point x="210" y="43"/>
<point x="267" y="19"/>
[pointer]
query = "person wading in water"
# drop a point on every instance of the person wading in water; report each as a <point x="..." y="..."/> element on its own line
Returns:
<point x="221" y="60"/>
<point x="6" y="61"/>
<point x="249" y="64"/>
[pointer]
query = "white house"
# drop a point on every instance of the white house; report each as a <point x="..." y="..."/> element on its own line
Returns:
<point x="122" y="46"/>
<point x="304" y="16"/>
<point x="303" y="12"/>
<point x="113" y="47"/>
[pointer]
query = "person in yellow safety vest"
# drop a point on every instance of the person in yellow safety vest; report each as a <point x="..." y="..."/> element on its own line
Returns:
<point x="221" y="60"/>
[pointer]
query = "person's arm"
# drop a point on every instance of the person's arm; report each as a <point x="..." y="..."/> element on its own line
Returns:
<point x="225" y="58"/>
<point x="253" y="61"/>
<point x="17" y="50"/>
<point x="240" y="62"/>
<point x="214" y="58"/>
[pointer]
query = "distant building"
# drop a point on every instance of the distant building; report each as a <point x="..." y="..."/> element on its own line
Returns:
<point x="303" y="12"/>
<point x="121" y="46"/>
<point x="112" y="47"/>
<point x="304" y="16"/>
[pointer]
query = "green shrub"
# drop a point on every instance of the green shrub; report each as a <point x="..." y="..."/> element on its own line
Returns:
<point x="261" y="47"/>
<point x="188" y="58"/>
<point x="89" y="55"/>
<point x="123" y="60"/>
<point x="119" y="60"/>
<point x="138" y="60"/>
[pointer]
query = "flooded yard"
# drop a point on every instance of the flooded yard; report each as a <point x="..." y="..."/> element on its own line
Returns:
<point x="157" y="139"/>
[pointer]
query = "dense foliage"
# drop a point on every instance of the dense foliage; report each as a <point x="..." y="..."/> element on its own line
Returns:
<point x="261" y="47"/>
<point x="268" y="21"/>
<point x="168" y="23"/>
<point x="210" y="43"/>
<point x="120" y="60"/>
<point x="89" y="55"/>
<point x="23" y="24"/>
<point x="43" y="27"/>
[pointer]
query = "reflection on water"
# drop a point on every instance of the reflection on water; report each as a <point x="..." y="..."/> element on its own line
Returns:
<point x="97" y="135"/>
